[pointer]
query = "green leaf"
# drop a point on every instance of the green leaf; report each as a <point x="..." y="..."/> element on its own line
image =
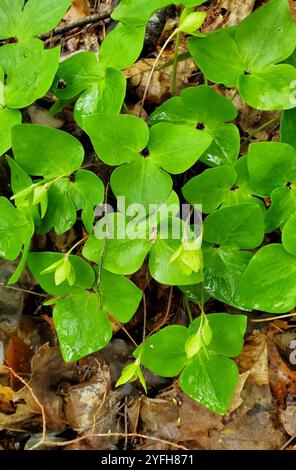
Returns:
<point x="228" y="333"/>
<point x="164" y="352"/>
<point x="8" y="119"/>
<point x="76" y="74"/>
<point x="120" y="296"/>
<point x="61" y="153"/>
<point x="239" y="226"/>
<point x="195" y="293"/>
<point x="105" y="96"/>
<point x="288" y="134"/>
<point x="218" y="56"/>
<point x="30" y="71"/>
<point x="141" y="182"/>
<point x="289" y="235"/>
<point x="122" y="46"/>
<point x="283" y="206"/>
<point x="15" y="230"/>
<point x="82" y="327"/>
<point x="137" y="12"/>
<point x="211" y="382"/>
<point x="163" y="267"/>
<point x="203" y="106"/>
<point x="223" y="269"/>
<point x="84" y="274"/>
<point x="268" y="283"/>
<point x="176" y="148"/>
<point x="39" y="17"/>
<point x="21" y="266"/>
<point x="61" y="211"/>
<point x="210" y="188"/>
<point x="270" y="165"/>
<point x="122" y="255"/>
<point x="271" y="24"/>
<point x="86" y="192"/>
<point x="225" y="146"/>
<point x="117" y="139"/>
<point x="10" y="14"/>
<point x="209" y="107"/>
<point x="270" y="88"/>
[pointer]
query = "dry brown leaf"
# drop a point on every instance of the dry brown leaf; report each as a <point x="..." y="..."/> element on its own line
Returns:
<point x="237" y="399"/>
<point x="49" y="371"/>
<point x="79" y="9"/>
<point x="230" y="13"/>
<point x="16" y="419"/>
<point x="18" y="356"/>
<point x="6" y="399"/>
<point x="86" y="402"/>
<point x="288" y="418"/>
<point x="254" y="358"/>
<point x="160" y="85"/>
<point x="282" y="376"/>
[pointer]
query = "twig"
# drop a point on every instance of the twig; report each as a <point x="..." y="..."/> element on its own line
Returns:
<point x="80" y="23"/>
<point x="153" y="69"/>
<point x="96" y="414"/>
<point x="22" y="290"/>
<point x="288" y="442"/>
<point x="287" y="315"/>
<point x="42" y="440"/>
<point x="115" y="434"/>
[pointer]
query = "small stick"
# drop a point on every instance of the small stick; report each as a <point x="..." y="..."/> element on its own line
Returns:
<point x="80" y="23"/>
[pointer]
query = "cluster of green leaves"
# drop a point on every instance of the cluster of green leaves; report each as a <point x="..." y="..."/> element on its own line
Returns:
<point x="243" y="198"/>
<point x="250" y="57"/>
<point x="26" y="68"/>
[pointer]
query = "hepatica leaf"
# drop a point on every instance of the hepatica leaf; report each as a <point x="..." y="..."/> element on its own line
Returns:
<point x="230" y="226"/>
<point x="141" y="182"/>
<point x="82" y="327"/>
<point x="30" y="19"/>
<point x="235" y="57"/>
<point x="137" y="12"/>
<point x="288" y="120"/>
<point x="122" y="46"/>
<point x="15" y="229"/>
<point x="289" y="235"/>
<point x="227" y="333"/>
<point x="210" y="381"/>
<point x="61" y="153"/>
<point x="8" y="119"/>
<point x="120" y="296"/>
<point x="117" y="138"/>
<point x="176" y="148"/>
<point x="164" y="352"/>
<point x="268" y="283"/>
<point x="84" y="274"/>
<point x="270" y="165"/>
<point x="30" y="70"/>
<point x="202" y="106"/>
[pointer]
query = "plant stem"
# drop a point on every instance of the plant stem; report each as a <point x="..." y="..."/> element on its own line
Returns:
<point x="154" y="67"/>
<point x="175" y="64"/>
<point x="77" y="244"/>
<point x="261" y="128"/>
<point x="188" y="310"/>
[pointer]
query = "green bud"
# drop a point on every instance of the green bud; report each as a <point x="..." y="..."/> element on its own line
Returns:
<point x="193" y="345"/>
<point x="192" y="21"/>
